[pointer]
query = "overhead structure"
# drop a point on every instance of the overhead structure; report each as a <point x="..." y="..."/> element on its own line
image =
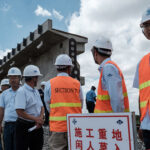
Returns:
<point x="41" y="48"/>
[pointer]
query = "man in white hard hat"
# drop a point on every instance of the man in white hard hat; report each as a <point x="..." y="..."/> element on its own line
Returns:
<point x="28" y="105"/>
<point x="7" y="109"/>
<point x="5" y="84"/>
<point x="64" y="94"/>
<point x="112" y="94"/>
<point x="142" y="82"/>
<point x="41" y="91"/>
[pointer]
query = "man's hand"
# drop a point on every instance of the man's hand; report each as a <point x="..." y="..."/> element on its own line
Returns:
<point x="39" y="120"/>
<point x="38" y="126"/>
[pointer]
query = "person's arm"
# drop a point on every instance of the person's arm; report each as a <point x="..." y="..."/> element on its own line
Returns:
<point x="1" y="118"/>
<point x="113" y="85"/>
<point x="136" y="78"/>
<point x="2" y="106"/>
<point x="81" y="96"/>
<point x="21" y="113"/>
<point x="94" y="96"/>
<point x="42" y="112"/>
<point x="47" y="95"/>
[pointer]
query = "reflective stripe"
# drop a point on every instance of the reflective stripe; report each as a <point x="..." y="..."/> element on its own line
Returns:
<point x="109" y="111"/>
<point x="126" y="110"/>
<point x="60" y="118"/>
<point x="106" y="97"/>
<point x="144" y="85"/>
<point x="65" y="105"/>
<point x="103" y="97"/>
<point x="125" y="94"/>
<point x="143" y="104"/>
<point x="102" y="111"/>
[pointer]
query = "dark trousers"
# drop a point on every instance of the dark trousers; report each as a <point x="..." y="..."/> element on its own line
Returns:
<point x="90" y="106"/>
<point x="9" y="135"/>
<point x="28" y="140"/>
<point x="146" y="137"/>
<point x="0" y="144"/>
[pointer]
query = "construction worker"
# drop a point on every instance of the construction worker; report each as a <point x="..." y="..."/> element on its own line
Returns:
<point x="5" y="84"/>
<point x="41" y="91"/>
<point x="64" y="94"/>
<point x="91" y="99"/>
<point x="141" y="81"/>
<point x="7" y="109"/>
<point x="112" y="93"/>
<point x="30" y="110"/>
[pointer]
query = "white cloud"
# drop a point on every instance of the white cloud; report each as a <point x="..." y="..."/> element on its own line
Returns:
<point x="42" y="12"/>
<point x="57" y="15"/>
<point x="4" y="53"/>
<point x="17" y="24"/>
<point x="5" y="7"/>
<point x="120" y="22"/>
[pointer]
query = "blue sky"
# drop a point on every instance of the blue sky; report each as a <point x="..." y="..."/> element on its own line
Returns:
<point x="20" y="17"/>
<point x="115" y="19"/>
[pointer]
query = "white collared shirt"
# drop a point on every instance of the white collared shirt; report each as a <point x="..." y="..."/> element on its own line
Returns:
<point x="28" y="99"/>
<point x="7" y="101"/>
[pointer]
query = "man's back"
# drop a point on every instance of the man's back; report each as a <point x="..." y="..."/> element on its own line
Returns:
<point x="90" y="96"/>
<point x="64" y="99"/>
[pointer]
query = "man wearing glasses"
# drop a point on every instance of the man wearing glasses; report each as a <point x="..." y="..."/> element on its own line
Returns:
<point x="7" y="109"/>
<point x="142" y="82"/>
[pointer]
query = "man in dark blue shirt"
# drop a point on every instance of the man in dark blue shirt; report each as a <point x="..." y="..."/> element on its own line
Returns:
<point x="91" y="99"/>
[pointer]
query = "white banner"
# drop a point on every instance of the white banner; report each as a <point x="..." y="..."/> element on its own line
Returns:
<point x="105" y="131"/>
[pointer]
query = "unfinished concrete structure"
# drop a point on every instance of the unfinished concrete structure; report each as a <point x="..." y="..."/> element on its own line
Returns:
<point x="41" y="48"/>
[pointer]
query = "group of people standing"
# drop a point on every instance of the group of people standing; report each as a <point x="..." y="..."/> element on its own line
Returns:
<point x="23" y="111"/>
<point x="112" y="94"/>
<point x="21" y="108"/>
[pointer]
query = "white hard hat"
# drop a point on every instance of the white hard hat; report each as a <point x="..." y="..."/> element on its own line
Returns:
<point x="43" y="83"/>
<point x="31" y="71"/>
<point x="5" y="82"/>
<point x="145" y="17"/>
<point x="63" y="60"/>
<point x="14" y="71"/>
<point x="103" y="45"/>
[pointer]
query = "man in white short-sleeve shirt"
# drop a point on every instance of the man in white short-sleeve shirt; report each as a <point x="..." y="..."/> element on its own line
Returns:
<point x="28" y="105"/>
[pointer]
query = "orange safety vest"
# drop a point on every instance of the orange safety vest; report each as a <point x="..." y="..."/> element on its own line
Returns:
<point x="144" y="85"/>
<point x="103" y="104"/>
<point x="65" y="99"/>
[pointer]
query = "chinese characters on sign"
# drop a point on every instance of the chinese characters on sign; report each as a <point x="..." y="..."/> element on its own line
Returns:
<point x="116" y="135"/>
<point x="100" y="131"/>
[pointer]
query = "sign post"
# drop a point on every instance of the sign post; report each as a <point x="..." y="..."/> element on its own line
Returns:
<point x="105" y="131"/>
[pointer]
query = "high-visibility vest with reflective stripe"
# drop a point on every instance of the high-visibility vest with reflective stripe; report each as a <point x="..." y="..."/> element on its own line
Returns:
<point x="144" y="85"/>
<point x="103" y="104"/>
<point x="65" y="99"/>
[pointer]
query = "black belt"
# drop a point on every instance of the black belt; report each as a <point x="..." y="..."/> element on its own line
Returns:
<point x="25" y="121"/>
<point x="10" y="122"/>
